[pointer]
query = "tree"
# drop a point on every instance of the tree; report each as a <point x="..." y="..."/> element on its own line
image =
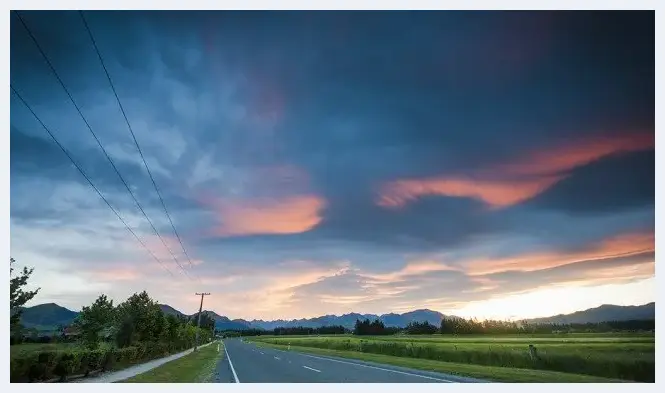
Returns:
<point x="207" y="321"/>
<point x="92" y="320"/>
<point x="17" y="296"/>
<point x="140" y="310"/>
<point x="125" y="335"/>
<point x="170" y="333"/>
<point x="420" y="328"/>
<point x="371" y="328"/>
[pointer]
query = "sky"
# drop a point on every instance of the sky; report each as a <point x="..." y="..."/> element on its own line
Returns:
<point x="482" y="164"/>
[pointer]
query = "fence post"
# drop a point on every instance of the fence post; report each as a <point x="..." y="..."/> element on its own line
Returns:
<point x="533" y="352"/>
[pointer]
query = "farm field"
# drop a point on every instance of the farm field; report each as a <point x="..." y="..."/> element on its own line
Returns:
<point x="619" y="357"/>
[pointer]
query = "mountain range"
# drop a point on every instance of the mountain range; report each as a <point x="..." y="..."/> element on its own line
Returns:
<point x="603" y="313"/>
<point x="48" y="316"/>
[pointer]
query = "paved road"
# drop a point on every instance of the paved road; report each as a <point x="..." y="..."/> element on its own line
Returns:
<point x="246" y="362"/>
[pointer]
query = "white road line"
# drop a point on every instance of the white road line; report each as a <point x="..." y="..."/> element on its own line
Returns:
<point x="262" y="353"/>
<point x="377" y="368"/>
<point x="313" y="369"/>
<point x="235" y="376"/>
<point x="276" y="358"/>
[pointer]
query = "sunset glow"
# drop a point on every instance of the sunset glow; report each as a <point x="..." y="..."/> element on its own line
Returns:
<point x="559" y="300"/>
<point x="304" y="164"/>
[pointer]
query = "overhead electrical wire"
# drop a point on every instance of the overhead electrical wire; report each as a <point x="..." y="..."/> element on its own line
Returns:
<point x="34" y="39"/>
<point x="88" y="179"/>
<point x="138" y="147"/>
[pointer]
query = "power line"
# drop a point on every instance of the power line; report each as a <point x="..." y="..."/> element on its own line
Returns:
<point x="88" y="179"/>
<point x="97" y="139"/>
<point x="122" y="109"/>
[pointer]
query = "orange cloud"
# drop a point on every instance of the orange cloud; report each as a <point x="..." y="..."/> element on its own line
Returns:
<point x="493" y="193"/>
<point x="288" y="215"/>
<point x="411" y="269"/>
<point x="617" y="246"/>
<point x="566" y="157"/>
<point x="515" y="182"/>
<point x="116" y="274"/>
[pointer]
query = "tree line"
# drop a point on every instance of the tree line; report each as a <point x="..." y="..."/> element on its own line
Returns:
<point x="300" y="330"/>
<point x="373" y="328"/>
<point x="473" y="326"/>
<point x="454" y="326"/>
<point x="137" y="320"/>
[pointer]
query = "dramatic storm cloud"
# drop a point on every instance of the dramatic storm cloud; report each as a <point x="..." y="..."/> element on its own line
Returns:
<point x="318" y="163"/>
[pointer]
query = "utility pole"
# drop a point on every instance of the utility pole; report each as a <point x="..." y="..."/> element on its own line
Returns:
<point x="199" y="319"/>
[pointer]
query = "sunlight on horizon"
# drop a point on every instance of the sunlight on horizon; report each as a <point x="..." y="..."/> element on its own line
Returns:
<point x="559" y="300"/>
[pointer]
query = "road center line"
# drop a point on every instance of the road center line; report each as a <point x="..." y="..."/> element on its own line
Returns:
<point x="313" y="369"/>
<point x="235" y="376"/>
<point x="377" y="368"/>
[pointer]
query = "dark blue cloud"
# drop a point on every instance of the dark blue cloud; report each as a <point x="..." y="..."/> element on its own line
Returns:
<point x="612" y="184"/>
<point x="352" y="100"/>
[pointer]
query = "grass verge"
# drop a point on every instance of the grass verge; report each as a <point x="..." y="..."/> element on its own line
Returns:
<point x="197" y="366"/>
<point x="490" y="373"/>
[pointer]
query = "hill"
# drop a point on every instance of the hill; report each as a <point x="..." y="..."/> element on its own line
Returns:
<point x="166" y="309"/>
<point x="47" y="316"/>
<point x="604" y="313"/>
<point x="224" y="323"/>
<point x="221" y="322"/>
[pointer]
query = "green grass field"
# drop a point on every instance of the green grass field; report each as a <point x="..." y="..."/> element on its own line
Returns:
<point x="616" y="357"/>
<point x="198" y="366"/>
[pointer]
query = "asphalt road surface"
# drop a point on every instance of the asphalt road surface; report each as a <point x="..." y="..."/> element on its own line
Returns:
<point x="247" y="363"/>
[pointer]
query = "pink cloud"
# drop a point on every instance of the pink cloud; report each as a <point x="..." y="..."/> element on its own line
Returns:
<point x="412" y="268"/>
<point x="510" y="183"/>
<point x="273" y="200"/>
<point x="568" y="156"/>
<point x="492" y="192"/>
<point x="285" y="215"/>
<point x="617" y="246"/>
<point x="115" y="274"/>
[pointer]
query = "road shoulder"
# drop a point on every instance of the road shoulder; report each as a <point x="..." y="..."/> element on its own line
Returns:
<point x="195" y="367"/>
<point x="223" y="372"/>
<point x="121" y="375"/>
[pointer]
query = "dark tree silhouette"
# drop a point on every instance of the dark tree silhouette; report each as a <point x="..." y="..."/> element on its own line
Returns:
<point x="17" y="296"/>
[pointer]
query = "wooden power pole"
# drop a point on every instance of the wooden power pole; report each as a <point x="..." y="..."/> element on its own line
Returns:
<point x="199" y="319"/>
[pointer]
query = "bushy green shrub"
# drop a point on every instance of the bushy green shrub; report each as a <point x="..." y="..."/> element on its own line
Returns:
<point x="47" y="365"/>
